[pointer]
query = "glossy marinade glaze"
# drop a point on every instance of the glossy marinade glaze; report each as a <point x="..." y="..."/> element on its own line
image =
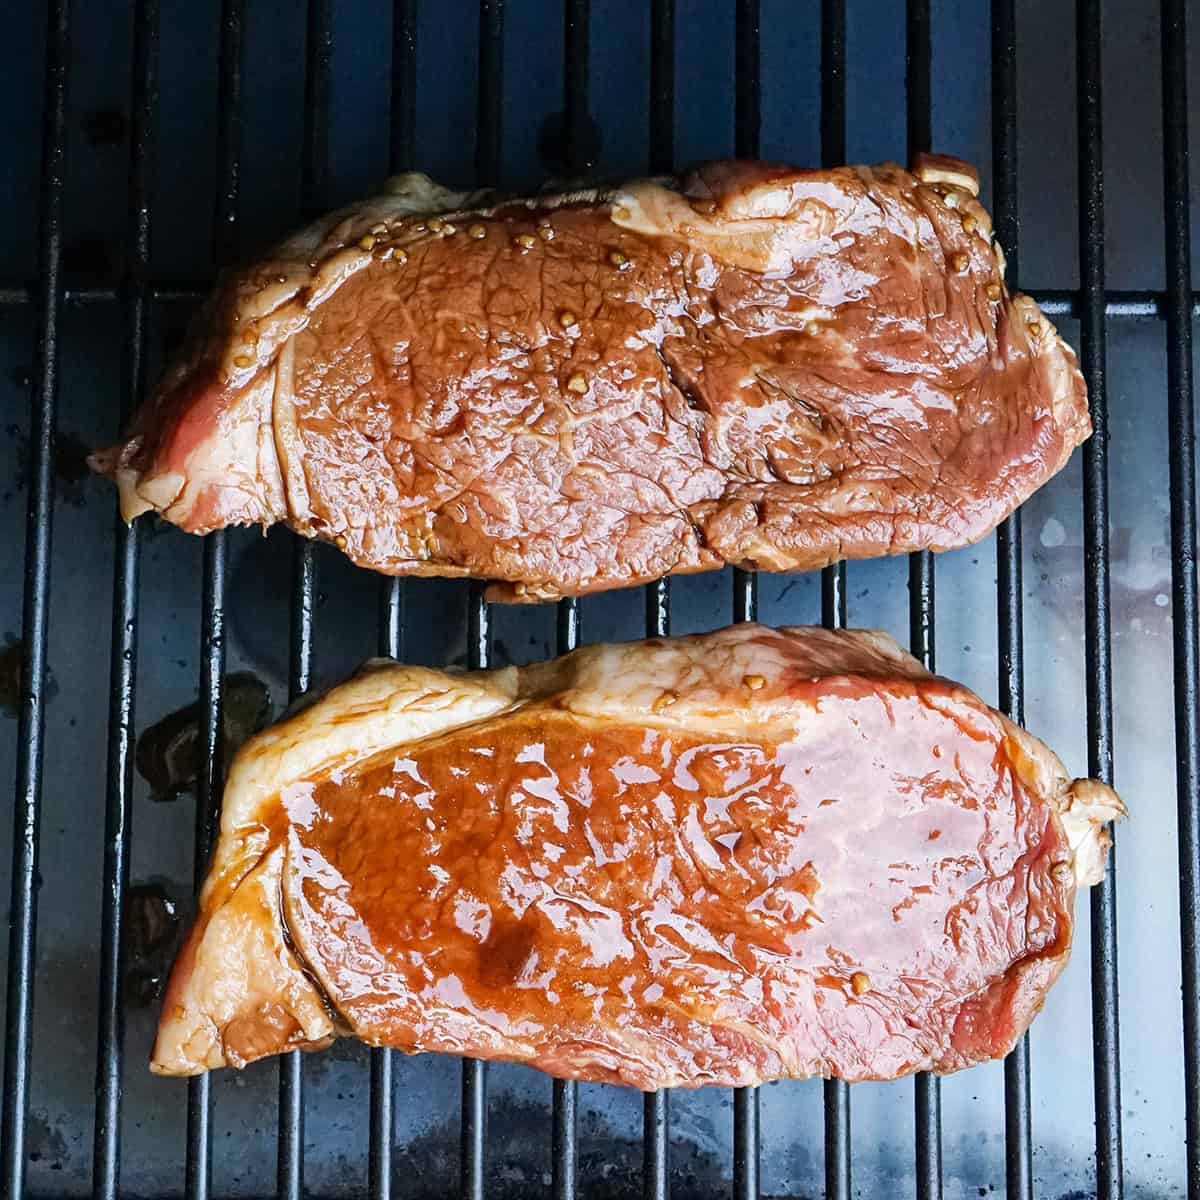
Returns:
<point x="754" y="364"/>
<point x="769" y="854"/>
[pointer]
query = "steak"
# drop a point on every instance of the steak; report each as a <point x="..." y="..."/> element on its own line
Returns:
<point x="754" y="364"/>
<point x="722" y="859"/>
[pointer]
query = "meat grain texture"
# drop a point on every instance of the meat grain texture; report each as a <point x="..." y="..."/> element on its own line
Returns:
<point x="754" y="364"/>
<point x="722" y="859"/>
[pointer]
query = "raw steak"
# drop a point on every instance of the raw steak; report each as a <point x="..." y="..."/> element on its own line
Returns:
<point x="723" y="859"/>
<point x="754" y="364"/>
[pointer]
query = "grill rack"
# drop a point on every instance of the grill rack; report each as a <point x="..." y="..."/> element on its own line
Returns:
<point x="1177" y="305"/>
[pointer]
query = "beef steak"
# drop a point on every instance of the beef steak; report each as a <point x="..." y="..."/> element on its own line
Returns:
<point x="723" y="859"/>
<point x="754" y="364"/>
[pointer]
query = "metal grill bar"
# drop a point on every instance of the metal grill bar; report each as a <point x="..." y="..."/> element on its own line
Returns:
<point x="918" y="76"/>
<point x="474" y="1071"/>
<point x="491" y="91"/>
<point x="836" y="1094"/>
<point x="576" y="14"/>
<point x="379" y="1147"/>
<point x="473" y="1149"/>
<point x="564" y="1102"/>
<point x="747" y="79"/>
<point x="833" y="83"/>
<point x="106" y="1147"/>
<point x="27" y="800"/>
<point x="927" y="1089"/>
<point x="391" y="590"/>
<point x="576" y="22"/>
<point x="745" y="1142"/>
<point x="472" y="1159"/>
<point x="662" y="85"/>
<point x="563" y="1137"/>
<point x="1182" y="452"/>
<point x="927" y="1102"/>
<point x="198" y="1170"/>
<point x="656" y="1140"/>
<point x="1009" y="616"/>
<point x="290" y="1152"/>
<point x="318" y="49"/>
<point x="1121" y="305"/>
<point x="404" y="84"/>
<point x="315" y="188"/>
<point x="747" y="122"/>
<point x="1092" y="336"/>
<point x="229" y="127"/>
<point x="391" y="619"/>
<point x="656" y="1110"/>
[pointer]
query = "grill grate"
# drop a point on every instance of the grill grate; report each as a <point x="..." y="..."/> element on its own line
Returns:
<point x="1179" y="309"/>
<point x="1097" y="621"/>
<point x="833" y="578"/>
<point x="656" y="1112"/>
<point x="106" y="1153"/>
<point x="1177" y="305"/>
<point x="747" y="119"/>
<point x="198" y="1153"/>
<point x="1018" y="1159"/>
<point x="391" y="591"/>
<point x="927" y="1088"/>
<point x="36" y="603"/>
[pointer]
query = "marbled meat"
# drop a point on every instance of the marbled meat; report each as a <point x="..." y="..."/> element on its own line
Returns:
<point x="722" y="859"/>
<point x="754" y="364"/>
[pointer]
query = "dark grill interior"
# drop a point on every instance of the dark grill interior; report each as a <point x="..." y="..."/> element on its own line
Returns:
<point x="225" y="128"/>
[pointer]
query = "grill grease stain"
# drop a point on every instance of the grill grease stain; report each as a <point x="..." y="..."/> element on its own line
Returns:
<point x="151" y="935"/>
<point x="167" y="754"/>
<point x="12" y="662"/>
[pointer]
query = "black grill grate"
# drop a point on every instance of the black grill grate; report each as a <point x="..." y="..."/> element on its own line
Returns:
<point x="833" y="579"/>
<point x="1177" y="305"/>
<point x="1179" y="309"/>
<point x="1019" y="1165"/>
<point x="36" y="603"/>
<point x="1092" y="349"/>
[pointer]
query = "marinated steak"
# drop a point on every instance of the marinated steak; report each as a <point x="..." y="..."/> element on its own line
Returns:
<point x="754" y="364"/>
<point x="711" y="860"/>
